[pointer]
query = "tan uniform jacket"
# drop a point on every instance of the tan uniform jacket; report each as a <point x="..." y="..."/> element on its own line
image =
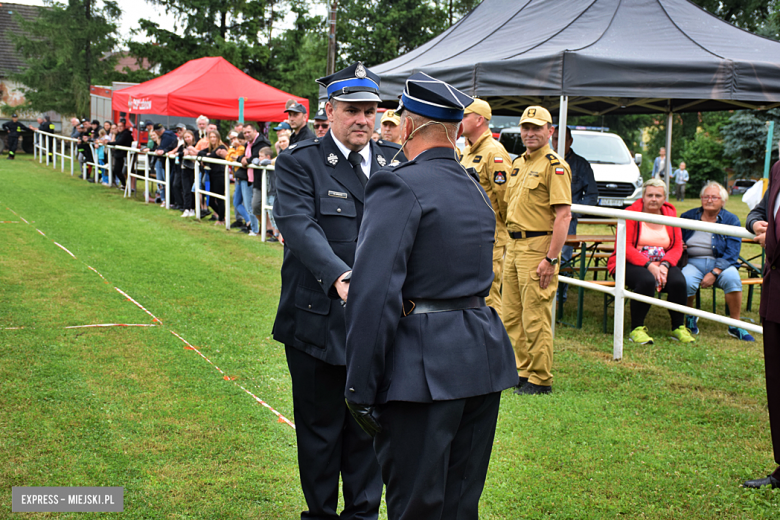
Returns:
<point x="538" y="181"/>
<point x="492" y="162"/>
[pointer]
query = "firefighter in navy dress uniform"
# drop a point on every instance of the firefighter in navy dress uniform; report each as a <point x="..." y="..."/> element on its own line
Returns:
<point x="426" y="358"/>
<point x="14" y="129"/>
<point x="318" y="209"/>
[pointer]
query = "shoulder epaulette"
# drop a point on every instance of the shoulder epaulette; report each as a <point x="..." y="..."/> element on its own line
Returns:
<point x="303" y="144"/>
<point x="553" y="158"/>
<point x="388" y="144"/>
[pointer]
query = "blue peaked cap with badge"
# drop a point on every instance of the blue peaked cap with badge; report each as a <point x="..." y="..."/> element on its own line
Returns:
<point x="355" y="83"/>
<point x="433" y="98"/>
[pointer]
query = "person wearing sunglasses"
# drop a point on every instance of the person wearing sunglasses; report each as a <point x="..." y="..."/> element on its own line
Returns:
<point x="713" y="259"/>
<point x="321" y="124"/>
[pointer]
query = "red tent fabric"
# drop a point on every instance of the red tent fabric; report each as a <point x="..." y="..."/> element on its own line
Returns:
<point x="206" y="86"/>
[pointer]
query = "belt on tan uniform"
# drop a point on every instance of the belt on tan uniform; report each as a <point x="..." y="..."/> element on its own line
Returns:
<point x="421" y="306"/>
<point x="528" y="234"/>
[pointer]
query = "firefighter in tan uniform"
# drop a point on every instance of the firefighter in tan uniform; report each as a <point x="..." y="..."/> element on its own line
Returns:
<point x="492" y="162"/>
<point x="538" y="197"/>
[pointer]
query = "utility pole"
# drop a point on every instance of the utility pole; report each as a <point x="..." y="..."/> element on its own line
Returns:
<point x="331" y="68"/>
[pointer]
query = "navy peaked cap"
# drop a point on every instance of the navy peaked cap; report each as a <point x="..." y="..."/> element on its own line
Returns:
<point x="355" y="83"/>
<point x="432" y="98"/>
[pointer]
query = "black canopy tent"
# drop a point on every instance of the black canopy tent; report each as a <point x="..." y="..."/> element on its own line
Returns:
<point x="597" y="57"/>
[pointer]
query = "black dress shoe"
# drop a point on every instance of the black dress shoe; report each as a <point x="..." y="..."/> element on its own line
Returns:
<point x="761" y="482"/>
<point x="523" y="380"/>
<point x="532" y="389"/>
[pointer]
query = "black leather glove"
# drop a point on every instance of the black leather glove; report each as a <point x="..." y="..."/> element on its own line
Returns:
<point x="364" y="416"/>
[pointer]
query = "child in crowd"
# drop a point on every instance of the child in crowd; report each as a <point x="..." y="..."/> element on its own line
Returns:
<point x="101" y="155"/>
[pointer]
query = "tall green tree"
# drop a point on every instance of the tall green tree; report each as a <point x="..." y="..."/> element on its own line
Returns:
<point x="237" y="30"/>
<point x="375" y="31"/>
<point x="64" y="49"/>
<point x="744" y="141"/>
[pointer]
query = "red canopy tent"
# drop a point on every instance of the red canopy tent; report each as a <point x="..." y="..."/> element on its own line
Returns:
<point x="206" y="86"/>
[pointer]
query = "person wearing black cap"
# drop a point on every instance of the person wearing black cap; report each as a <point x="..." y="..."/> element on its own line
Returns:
<point x="427" y="359"/>
<point x="321" y="124"/>
<point x="45" y="126"/>
<point x="318" y="209"/>
<point x="84" y="147"/>
<point x="296" y="118"/>
<point x="14" y="129"/>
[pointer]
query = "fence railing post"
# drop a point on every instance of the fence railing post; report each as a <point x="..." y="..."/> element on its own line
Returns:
<point x="46" y="141"/>
<point x="146" y="178"/>
<point x="109" y="162"/>
<point x="197" y="189"/>
<point x="227" y="198"/>
<point x="620" y="283"/>
<point x="264" y="200"/>
<point x="62" y="155"/>
<point x="167" y="182"/>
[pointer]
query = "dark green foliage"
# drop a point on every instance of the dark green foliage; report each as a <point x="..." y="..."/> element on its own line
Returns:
<point x="757" y="16"/>
<point x="375" y="32"/>
<point x="64" y="49"/>
<point x="744" y="141"/>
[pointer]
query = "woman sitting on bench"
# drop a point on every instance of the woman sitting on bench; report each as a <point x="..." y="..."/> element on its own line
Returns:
<point x="652" y="253"/>
<point x="714" y="259"/>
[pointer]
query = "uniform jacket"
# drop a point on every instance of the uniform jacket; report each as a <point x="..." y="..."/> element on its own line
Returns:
<point x="318" y="209"/>
<point x="493" y="164"/>
<point x="584" y="189"/>
<point x="538" y="181"/>
<point x="725" y="248"/>
<point x="633" y="230"/>
<point x="770" y="291"/>
<point x="15" y="129"/>
<point x="428" y="233"/>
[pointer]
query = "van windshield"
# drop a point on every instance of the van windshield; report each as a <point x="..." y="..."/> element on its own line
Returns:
<point x="601" y="148"/>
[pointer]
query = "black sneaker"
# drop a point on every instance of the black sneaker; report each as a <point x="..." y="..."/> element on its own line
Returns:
<point x="213" y="218"/>
<point x="245" y="230"/>
<point x="238" y="223"/>
<point x="532" y="389"/>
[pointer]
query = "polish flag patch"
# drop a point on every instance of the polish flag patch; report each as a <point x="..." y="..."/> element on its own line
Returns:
<point x="559" y="171"/>
<point x="498" y="159"/>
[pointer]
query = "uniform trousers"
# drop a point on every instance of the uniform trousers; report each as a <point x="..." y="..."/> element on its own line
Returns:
<point x="527" y="308"/>
<point x="330" y="443"/>
<point x="435" y="456"/>
<point x="494" y="298"/>
<point x="772" y="367"/>
<point x="13" y="142"/>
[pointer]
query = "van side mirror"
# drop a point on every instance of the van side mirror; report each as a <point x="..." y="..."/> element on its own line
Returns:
<point x="638" y="159"/>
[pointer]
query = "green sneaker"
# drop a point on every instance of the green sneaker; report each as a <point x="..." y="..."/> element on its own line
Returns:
<point x="682" y="334"/>
<point x="640" y="335"/>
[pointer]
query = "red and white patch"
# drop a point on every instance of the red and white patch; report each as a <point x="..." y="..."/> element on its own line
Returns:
<point x="498" y="159"/>
<point x="559" y="171"/>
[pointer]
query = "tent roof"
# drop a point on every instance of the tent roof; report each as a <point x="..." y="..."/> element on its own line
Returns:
<point x="626" y="56"/>
<point x="209" y="87"/>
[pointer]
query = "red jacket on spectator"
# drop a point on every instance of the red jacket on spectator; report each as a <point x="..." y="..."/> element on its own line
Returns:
<point x="633" y="230"/>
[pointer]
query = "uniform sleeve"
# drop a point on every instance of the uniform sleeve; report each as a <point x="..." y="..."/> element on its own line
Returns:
<point x="758" y="214"/>
<point x="494" y="179"/>
<point x="295" y="215"/>
<point x="560" y="184"/>
<point x="375" y="304"/>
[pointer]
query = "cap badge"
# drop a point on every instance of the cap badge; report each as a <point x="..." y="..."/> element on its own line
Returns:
<point x="381" y="160"/>
<point x="531" y="112"/>
<point x="360" y="71"/>
<point x="332" y="159"/>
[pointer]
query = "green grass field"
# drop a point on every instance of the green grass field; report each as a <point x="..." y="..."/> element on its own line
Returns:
<point x="669" y="432"/>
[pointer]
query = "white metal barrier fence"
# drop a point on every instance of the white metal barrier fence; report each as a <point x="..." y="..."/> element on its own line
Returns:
<point x="42" y="142"/>
<point x="620" y="293"/>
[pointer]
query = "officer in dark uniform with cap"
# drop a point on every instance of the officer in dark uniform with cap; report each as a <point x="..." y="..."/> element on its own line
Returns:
<point x="423" y="348"/>
<point x="318" y="209"/>
<point x="14" y="129"/>
<point x="321" y="124"/>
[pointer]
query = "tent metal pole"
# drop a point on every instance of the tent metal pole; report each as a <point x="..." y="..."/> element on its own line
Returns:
<point x="563" y="116"/>
<point x="669" y="118"/>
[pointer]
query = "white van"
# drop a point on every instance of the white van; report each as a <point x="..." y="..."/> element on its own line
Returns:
<point x="616" y="172"/>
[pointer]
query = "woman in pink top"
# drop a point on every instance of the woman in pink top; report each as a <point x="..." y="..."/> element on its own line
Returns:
<point x="652" y="253"/>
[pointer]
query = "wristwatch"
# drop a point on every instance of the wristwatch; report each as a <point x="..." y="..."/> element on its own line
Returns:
<point x="552" y="261"/>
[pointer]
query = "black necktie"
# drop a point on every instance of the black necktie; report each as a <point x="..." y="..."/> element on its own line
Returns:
<point x="355" y="159"/>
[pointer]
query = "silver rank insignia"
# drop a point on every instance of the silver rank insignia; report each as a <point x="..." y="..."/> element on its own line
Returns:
<point x="381" y="160"/>
<point x="292" y="146"/>
<point x="333" y="159"/>
<point x="395" y="163"/>
<point x="360" y="71"/>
